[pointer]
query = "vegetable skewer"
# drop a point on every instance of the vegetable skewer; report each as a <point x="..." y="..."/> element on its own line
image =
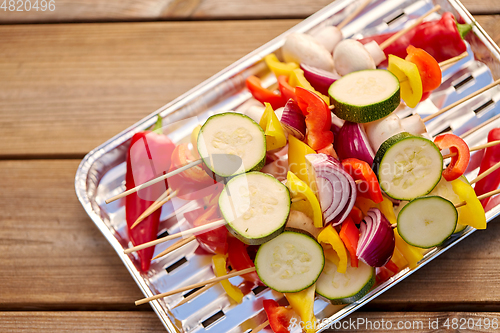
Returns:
<point x="221" y="222"/>
<point x="251" y="269"/>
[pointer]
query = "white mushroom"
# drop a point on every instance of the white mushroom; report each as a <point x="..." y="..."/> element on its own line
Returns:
<point x="255" y="112"/>
<point x="380" y="130"/>
<point x="351" y="56"/>
<point x="329" y="37"/>
<point x="375" y="52"/>
<point x="299" y="220"/>
<point x="414" y="125"/>
<point x="278" y="168"/>
<point x="302" y="48"/>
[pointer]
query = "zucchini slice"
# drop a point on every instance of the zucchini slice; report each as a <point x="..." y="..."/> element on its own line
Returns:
<point x="408" y="166"/>
<point x="231" y="143"/>
<point x="290" y="262"/>
<point x="255" y="206"/>
<point x="348" y="287"/>
<point x="444" y="189"/>
<point x="365" y="96"/>
<point x="427" y="221"/>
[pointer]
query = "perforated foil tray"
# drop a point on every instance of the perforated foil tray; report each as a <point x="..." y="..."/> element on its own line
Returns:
<point x="101" y="173"/>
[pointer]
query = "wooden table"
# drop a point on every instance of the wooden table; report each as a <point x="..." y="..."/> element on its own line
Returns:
<point x="67" y="87"/>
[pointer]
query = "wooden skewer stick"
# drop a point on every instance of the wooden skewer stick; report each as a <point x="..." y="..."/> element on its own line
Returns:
<point x="394" y="37"/>
<point x="163" y="199"/>
<point x="196" y="285"/>
<point x="478" y="127"/>
<point x="486" y="145"/>
<point x="466" y="98"/>
<point x="154" y="181"/>
<point x="489" y="194"/>
<point x="175" y="246"/>
<point x="351" y="16"/>
<point x="260" y="327"/>
<point x="184" y="233"/>
<point x="486" y="173"/>
<point x="195" y="294"/>
<point x="453" y="60"/>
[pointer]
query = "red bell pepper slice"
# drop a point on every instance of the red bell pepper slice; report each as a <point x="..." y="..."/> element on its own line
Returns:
<point x="148" y="157"/>
<point x="460" y="161"/>
<point x="428" y="68"/>
<point x="350" y="236"/>
<point x="442" y="39"/>
<point x="264" y="95"/>
<point x="490" y="158"/>
<point x="383" y="274"/>
<point x="318" y="118"/>
<point x="239" y="259"/>
<point x="287" y="91"/>
<point x="356" y="215"/>
<point x="369" y="186"/>
<point x="194" y="183"/>
<point x="215" y="240"/>
<point x="392" y="267"/>
<point x="279" y="316"/>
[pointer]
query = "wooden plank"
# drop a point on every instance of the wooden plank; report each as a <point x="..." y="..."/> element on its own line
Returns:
<point x="148" y="10"/>
<point x="134" y="322"/>
<point x="54" y="258"/>
<point x="72" y="87"/>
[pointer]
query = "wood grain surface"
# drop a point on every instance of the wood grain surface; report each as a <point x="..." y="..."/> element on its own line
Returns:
<point x="152" y="10"/>
<point x="137" y="322"/>
<point x="54" y="258"/>
<point x="66" y="88"/>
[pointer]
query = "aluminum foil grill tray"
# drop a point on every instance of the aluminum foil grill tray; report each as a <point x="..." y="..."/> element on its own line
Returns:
<point x="101" y="174"/>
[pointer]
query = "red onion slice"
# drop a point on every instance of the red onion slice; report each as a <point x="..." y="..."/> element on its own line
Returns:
<point x="334" y="187"/>
<point x="351" y="141"/>
<point x="293" y="120"/>
<point x="320" y="79"/>
<point x="376" y="241"/>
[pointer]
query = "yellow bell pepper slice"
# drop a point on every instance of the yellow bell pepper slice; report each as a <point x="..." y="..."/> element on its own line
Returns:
<point x="219" y="264"/>
<point x="331" y="255"/>
<point x="310" y="205"/>
<point x="387" y="209"/>
<point x="302" y="303"/>
<point x="364" y="204"/>
<point x="409" y="79"/>
<point x="297" y="151"/>
<point x="411" y="253"/>
<point x="277" y="67"/>
<point x="329" y="235"/>
<point x="473" y="212"/>
<point x="398" y="259"/>
<point x="275" y="136"/>
<point x="297" y="78"/>
<point x="194" y="140"/>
